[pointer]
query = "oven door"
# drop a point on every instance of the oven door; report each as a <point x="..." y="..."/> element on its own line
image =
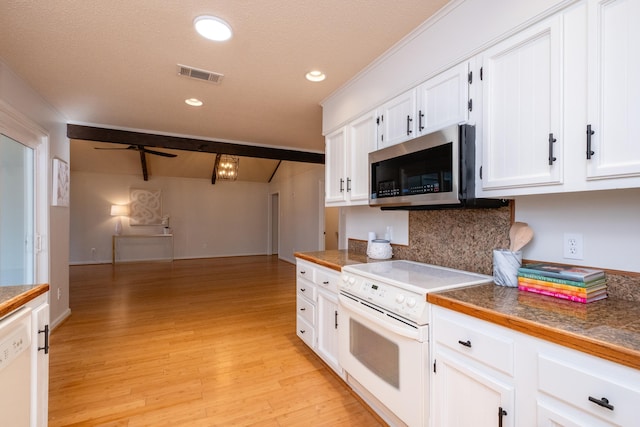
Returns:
<point x="386" y="356"/>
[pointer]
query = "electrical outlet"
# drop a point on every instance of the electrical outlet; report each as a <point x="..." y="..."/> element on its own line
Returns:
<point x="573" y="246"/>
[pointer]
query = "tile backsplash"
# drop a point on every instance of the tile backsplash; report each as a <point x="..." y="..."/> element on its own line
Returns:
<point x="465" y="238"/>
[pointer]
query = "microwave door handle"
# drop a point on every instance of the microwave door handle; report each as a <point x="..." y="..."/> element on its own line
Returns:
<point x="350" y="306"/>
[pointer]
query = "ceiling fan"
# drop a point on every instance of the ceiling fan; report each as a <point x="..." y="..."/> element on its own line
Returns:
<point x="140" y="148"/>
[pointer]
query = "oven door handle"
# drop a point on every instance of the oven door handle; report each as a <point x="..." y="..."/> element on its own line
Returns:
<point x="404" y="332"/>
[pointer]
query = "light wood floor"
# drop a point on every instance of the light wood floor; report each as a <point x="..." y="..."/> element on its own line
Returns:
<point x="193" y="342"/>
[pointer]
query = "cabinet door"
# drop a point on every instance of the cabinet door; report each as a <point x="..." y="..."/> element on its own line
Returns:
<point x="468" y="396"/>
<point x="335" y="167"/>
<point x="361" y="141"/>
<point x="328" y="329"/>
<point x="443" y="100"/>
<point x="40" y="366"/>
<point x="396" y="122"/>
<point x="522" y="109"/>
<point x="614" y="88"/>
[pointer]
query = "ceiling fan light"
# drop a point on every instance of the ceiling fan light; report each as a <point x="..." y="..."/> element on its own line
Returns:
<point x="212" y="28"/>
<point x="194" y="102"/>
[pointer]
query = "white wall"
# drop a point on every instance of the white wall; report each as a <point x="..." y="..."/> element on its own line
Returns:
<point x="301" y="207"/>
<point x="360" y="220"/>
<point x="225" y="219"/>
<point x="609" y="222"/>
<point x="22" y="98"/>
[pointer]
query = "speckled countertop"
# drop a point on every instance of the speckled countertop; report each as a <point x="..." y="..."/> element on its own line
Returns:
<point x="12" y="297"/>
<point x="609" y="328"/>
<point x="334" y="259"/>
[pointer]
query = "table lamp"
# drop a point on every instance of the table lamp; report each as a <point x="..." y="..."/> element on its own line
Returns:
<point x="119" y="211"/>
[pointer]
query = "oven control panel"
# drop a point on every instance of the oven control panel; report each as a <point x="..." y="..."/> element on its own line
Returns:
<point x="405" y="303"/>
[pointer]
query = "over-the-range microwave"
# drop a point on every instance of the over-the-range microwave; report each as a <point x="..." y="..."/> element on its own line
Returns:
<point x="433" y="171"/>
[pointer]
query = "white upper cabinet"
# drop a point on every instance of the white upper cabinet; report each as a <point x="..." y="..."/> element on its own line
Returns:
<point x="361" y="140"/>
<point x="335" y="166"/>
<point x="614" y="89"/>
<point x="395" y="120"/>
<point x="443" y="100"/>
<point x="522" y="133"/>
<point x="347" y="162"/>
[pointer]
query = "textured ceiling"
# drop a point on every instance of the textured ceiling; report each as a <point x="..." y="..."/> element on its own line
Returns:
<point x="113" y="63"/>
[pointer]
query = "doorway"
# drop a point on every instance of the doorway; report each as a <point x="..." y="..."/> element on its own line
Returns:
<point x="274" y="226"/>
<point x="331" y="227"/>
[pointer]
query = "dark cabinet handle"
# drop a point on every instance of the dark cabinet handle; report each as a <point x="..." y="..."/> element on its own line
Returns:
<point x="420" y="116"/>
<point x="501" y="413"/>
<point x="303" y="289"/>
<point x="348" y="185"/>
<point x="302" y="331"/>
<point x="589" y="151"/>
<point x="341" y="185"/>
<point x="326" y="282"/>
<point x="604" y="402"/>
<point x="45" y="331"/>
<point x="551" y="141"/>
<point x="303" y="271"/>
<point x="466" y="343"/>
<point x="303" y="309"/>
<point x="335" y="319"/>
<point x="409" y="120"/>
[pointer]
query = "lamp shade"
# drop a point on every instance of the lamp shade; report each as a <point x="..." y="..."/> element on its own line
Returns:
<point x="119" y="210"/>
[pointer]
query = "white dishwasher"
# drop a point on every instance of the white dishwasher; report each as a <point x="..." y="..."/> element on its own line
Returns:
<point x="15" y="368"/>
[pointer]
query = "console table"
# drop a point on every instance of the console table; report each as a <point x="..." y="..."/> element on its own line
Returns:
<point x="141" y="247"/>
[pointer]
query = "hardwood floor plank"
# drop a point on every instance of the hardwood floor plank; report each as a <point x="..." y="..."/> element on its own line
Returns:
<point x="207" y="342"/>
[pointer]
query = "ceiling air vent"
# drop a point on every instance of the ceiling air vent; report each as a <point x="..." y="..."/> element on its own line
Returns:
<point x="195" y="73"/>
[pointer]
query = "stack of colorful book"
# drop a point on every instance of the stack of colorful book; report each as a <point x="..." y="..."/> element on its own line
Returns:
<point x="577" y="284"/>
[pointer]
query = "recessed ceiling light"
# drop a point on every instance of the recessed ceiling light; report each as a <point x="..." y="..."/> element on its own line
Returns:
<point x="194" y="102"/>
<point x="212" y="28"/>
<point x="315" y="76"/>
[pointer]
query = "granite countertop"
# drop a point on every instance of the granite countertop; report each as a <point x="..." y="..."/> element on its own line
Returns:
<point x="609" y="328"/>
<point x="334" y="259"/>
<point x="13" y="297"/>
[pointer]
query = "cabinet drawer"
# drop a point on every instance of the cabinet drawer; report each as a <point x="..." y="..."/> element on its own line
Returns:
<point x="578" y="381"/>
<point x="305" y="270"/>
<point x="474" y="338"/>
<point x="306" y="309"/>
<point x="307" y="289"/>
<point x="305" y="331"/>
<point x="327" y="279"/>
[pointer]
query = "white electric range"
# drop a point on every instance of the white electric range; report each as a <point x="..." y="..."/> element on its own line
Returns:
<point x="384" y="334"/>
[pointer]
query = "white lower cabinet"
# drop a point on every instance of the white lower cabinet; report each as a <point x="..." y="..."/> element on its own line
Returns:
<point x="485" y="374"/>
<point x="578" y="389"/>
<point x="473" y="368"/>
<point x="317" y="310"/>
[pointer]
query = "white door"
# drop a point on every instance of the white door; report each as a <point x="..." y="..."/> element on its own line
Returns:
<point x="465" y="396"/>
<point x="522" y="133"/>
<point x="396" y="120"/>
<point x="335" y="167"/>
<point x="443" y="100"/>
<point x="328" y="328"/>
<point x="361" y="141"/>
<point x="614" y="88"/>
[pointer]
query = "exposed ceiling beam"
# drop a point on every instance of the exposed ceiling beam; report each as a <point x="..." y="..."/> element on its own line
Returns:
<point x="90" y="133"/>
<point x="214" y="175"/>
<point x="143" y="161"/>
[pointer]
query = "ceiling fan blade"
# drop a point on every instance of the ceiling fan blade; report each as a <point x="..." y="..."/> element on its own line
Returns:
<point x="159" y="153"/>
